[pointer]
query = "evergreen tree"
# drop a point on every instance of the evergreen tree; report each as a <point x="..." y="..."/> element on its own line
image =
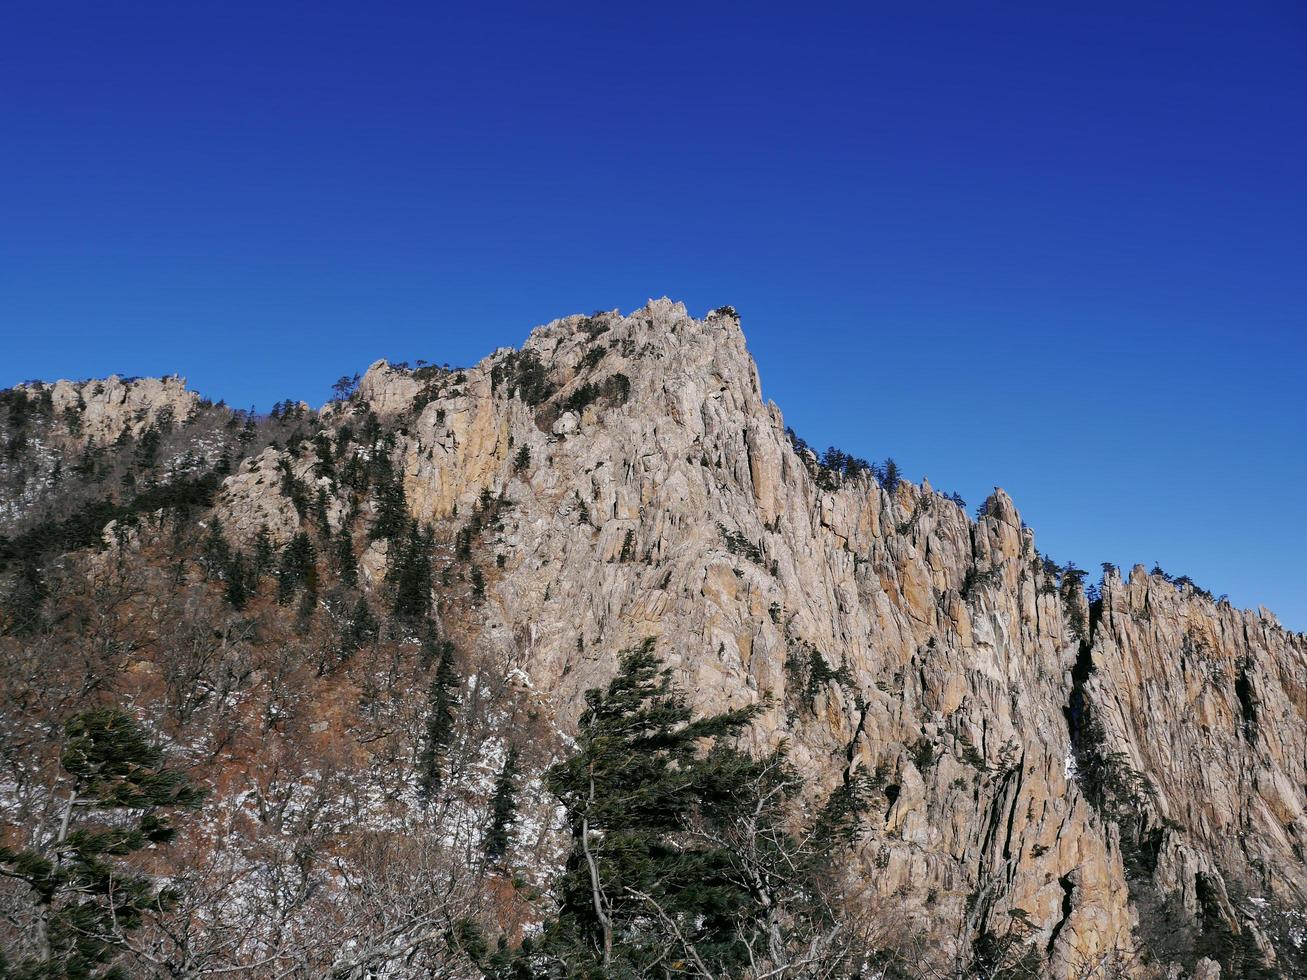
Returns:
<point x="297" y="569"/>
<point x="346" y="562"/>
<point x="370" y="435"/>
<point x="26" y="597"/>
<point x="638" y="881"/>
<point x="682" y="862"/>
<point x="326" y="462"/>
<point x="392" y="508"/>
<point x="217" y="552"/>
<point x="440" y="724"/>
<point x="307" y="607"/>
<point x="320" y="504"/>
<point x="503" y="808"/>
<point x="85" y="897"/>
<point x="345" y="387"/>
<point x="361" y="628"/>
<point x="238" y="582"/>
<point x="411" y="574"/>
<point x="147" y="448"/>
<point x="293" y="488"/>
<point x="463" y="544"/>
<point x="85" y="465"/>
<point x="433" y="648"/>
<point x="263" y="552"/>
<point x="890" y="475"/>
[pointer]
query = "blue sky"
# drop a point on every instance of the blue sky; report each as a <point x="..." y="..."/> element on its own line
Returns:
<point x="1059" y="250"/>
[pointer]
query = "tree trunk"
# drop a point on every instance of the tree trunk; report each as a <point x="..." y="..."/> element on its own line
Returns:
<point x="596" y="891"/>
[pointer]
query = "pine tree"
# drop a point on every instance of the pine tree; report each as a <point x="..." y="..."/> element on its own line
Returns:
<point x="411" y="574"/>
<point x="147" y="448"/>
<point x="86" y="898"/>
<point x="370" y="436"/>
<point x="503" y="808"/>
<point x="433" y="647"/>
<point x="890" y="476"/>
<point x="392" y="508"/>
<point x="682" y="860"/>
<point x="440" y="724"/>
<point x="636" y="878"/>
<point x="320" y="504"/>
<point x="346" y="562"/>
<point x="292" y="487"/>
<point x="85" y="465"/>
<point x="307" y="607"/>
<point x="326" y="462"/>
<point x="26" y="597"/>
<point x="345" y="388"/>
<point x="361" y="628"/>
<point x="238" y="583"/>
<point x="217" y="552"/>
<point x="297" y="569"/>
<point x="263" y="552"/>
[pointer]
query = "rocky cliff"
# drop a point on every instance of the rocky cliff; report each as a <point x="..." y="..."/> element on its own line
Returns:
<point x="1117" y="775"/>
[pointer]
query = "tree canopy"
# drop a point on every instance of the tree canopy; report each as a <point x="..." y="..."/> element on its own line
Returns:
<point x="85" y="897"/>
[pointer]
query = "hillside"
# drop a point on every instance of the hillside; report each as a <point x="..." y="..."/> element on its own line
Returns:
<point x="1109" y="777"/>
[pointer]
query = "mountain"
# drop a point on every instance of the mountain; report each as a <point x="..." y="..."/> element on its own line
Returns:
<point x="1110" y="778"/>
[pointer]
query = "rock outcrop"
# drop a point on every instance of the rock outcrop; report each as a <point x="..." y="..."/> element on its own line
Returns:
<point x="954" y="655"/>
<point x="116" y="406"/>
<point x="1044" y="761"/>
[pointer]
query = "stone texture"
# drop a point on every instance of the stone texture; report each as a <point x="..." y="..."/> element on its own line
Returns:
<point x="686" y="514"/>
<point x="251" y="498"/>
<point x="116" y="405"/>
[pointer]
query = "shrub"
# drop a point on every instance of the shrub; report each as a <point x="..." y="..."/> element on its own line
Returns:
<point x="922" y="754"/>
<point x="738" y="544"/>
<point x="523" y="375"/>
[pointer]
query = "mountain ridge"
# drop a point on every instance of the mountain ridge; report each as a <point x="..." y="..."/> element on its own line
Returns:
<point x="132" y="403"/>
<point x="1082" y="759"/>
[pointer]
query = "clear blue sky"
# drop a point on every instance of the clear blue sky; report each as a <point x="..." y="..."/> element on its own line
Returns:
<point x="1060" y="248"/>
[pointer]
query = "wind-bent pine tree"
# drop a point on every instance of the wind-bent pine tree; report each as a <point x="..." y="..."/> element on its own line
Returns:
<point x="656" y="884"/>
<point x="85" y="900"/>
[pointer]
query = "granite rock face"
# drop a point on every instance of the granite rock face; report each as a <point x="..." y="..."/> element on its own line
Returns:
<point x="1043" y="760"/>
<point x="250" y="499"/>
<point x="84" y="419"/>
<point x="958" y="667"/>
<point x="115" y="406"/>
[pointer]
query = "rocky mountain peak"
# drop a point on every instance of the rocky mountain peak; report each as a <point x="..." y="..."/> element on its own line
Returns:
<point x="1086" y="769"/>
<point x="112" y="407"/>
